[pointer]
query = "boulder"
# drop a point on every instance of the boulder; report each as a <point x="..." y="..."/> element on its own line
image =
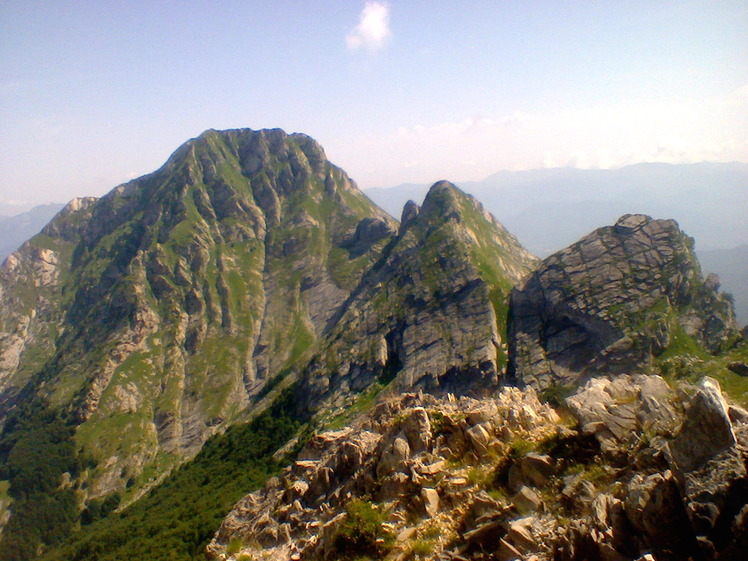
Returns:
<point x="395" y="456"/>
<point x="520" y="534"/>
<point x="526" y="500"/>
<point x="616" y="410"/>
<point x="706" y="431"/>
<point x="480" y="438"/>
<point x="430" y="500"/>
<point x="654" y="507"/>
<point x="709" y="464"/>
<point x="417" y="429"/>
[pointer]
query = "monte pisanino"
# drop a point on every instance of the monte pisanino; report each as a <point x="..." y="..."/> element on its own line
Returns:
<point x="240" y="357"/>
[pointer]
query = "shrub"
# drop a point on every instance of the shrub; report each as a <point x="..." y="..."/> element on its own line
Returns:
<point x="422" y="548"/>
<point x="234" y="546"/>
<point x="362" y="533"/>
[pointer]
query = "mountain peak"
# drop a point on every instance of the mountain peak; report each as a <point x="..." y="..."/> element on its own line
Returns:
<point x="443" y="201"/>
<point x="185" y="291"/>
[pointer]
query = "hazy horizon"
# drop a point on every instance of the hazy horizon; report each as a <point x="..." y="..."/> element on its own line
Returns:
<point x="95" y="95"/>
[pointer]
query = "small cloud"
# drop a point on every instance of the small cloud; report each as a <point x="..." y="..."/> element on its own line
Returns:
<point x="373" y="28"/>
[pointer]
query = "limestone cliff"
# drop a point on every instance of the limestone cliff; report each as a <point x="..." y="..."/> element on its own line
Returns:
<point x="431" y="313"/>
<point x="612" y="301"/>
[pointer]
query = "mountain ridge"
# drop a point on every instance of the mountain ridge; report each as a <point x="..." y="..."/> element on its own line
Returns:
<point x="249" y="278"/>
<point x="550" y="209"/>
<point x="188" y="299"/>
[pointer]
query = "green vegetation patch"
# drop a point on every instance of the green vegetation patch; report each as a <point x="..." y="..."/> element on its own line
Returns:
<point x="176" y="520"/>
<point x="36" y="452"/>
<point x="361" y="404"/>
<point x="362" y="534"/>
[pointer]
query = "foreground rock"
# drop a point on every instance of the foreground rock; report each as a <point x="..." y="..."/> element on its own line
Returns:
<point x="421" y="462"/>
<point x="503" y="478"/>
<point x="611" y="301"/>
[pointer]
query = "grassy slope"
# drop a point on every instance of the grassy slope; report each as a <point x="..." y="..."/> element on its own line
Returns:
<point x="175" y="521"/>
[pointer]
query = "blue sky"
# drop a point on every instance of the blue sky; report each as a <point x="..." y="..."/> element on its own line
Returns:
<point x="95" y="93"/>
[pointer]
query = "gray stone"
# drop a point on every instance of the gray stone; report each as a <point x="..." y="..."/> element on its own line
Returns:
<point x="706" y="431"/>
<point x="480" y="439"/>
<point x="592" y="308"/>
<point x="395" y="456"/>
<point x="654" y="507"/>
<point x="430" y="501"/>
<point x="526" y="500"/>
<point x="520" y="535"/>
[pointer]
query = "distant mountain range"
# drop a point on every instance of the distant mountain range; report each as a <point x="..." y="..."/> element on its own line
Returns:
<point x="14" y="230"/>
<point x="548" y="209"/>
<point x="732" y="267"/>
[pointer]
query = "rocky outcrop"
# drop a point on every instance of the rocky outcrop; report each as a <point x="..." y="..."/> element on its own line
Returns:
<point x="710" y="466"/>
<point x="635" y="477"/>
<point x="611" y="302"/>
<point x="618" y="410"/>
<point x="398" y="457"/>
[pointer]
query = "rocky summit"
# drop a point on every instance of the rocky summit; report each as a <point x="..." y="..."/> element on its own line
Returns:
<point x="240" y="354"/>
<point x="611" y="302"/>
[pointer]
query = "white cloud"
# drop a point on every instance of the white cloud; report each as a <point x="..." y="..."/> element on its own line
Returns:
<point x="373" y="28"/>
<point x="676" y="130"/>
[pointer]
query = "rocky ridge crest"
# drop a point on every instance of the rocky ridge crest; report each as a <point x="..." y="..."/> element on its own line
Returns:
<point x="431" y="313"/>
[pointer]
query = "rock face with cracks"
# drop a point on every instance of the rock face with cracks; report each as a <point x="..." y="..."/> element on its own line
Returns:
<point x="612" y="301"/>
<point x="431" y="313"/>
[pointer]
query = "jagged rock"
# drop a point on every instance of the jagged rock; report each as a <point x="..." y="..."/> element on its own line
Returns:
<point x="410" y="211"/>
<point x="707" y="430"/>
<point x="654" y="507"/>
<point x="618" y="410"/>
<point x="710" y="466"/>
<point x="602" y="305"/>
<point x="531" y="469"/>
<point x="480" y="439"/>
<point x="394" y="457"/>
<point x="507" y="552"/>
<point x="608" y="514"/>
<point x="537" y="468"/>
<point x="417" y="429"/>
<point x="394" y="486"/>
<point x="526" y="500"/>
<point x="390" y="457"/>
<point x="738" y="415"/>
<point x="520" y="535"/>
<point x="430" y="499"/>
<point x="410" y="321"/>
